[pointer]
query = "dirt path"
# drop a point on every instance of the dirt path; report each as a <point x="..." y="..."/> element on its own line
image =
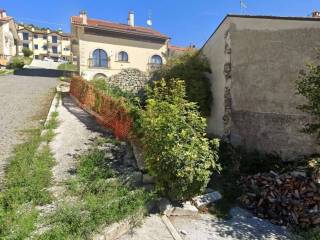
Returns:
<point x="23" y="100"/>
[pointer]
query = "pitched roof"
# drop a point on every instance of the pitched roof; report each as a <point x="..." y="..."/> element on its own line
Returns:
<point x="5" y="19"/>
<point x="290" y="18"/>
<point x="178" y="48"/>
<point x="42" y="30"/>
<point x="118" y="27"/>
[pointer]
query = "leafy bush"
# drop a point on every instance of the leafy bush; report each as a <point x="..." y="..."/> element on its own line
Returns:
<point x="16" y="63"/>
<point x="190" y="67"/>
<point x="308" y="85"/>
<point x="176" y="150"/>
<point x="27" y="52"/>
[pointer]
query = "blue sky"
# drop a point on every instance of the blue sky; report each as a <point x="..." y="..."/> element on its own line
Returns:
<point x="185" y="21"/>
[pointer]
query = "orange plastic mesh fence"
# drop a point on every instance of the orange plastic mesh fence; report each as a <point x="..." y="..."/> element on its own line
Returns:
<point x="109" y="112"/>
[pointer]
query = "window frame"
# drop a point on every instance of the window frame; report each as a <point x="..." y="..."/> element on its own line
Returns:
<point x="56" y="48"/>
<point x="122" y="58"/>
<point x="154" y="62"/>
<point x="54" y="37"/>
<point x="98" y="60"/>
<point x="23" y="36"/>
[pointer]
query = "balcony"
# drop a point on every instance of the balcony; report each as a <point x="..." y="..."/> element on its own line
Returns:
<point x="154" y="66"/>
<point x="99" y="63"/>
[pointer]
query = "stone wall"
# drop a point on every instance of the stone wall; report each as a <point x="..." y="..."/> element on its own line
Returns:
<point x="261" y="61"/>
<point x="129" y="79"/>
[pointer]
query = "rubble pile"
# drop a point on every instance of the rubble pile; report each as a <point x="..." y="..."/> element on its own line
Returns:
<point x="284" y="199"/>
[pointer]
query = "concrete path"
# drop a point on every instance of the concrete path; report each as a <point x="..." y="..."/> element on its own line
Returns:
<point x="75" y="131"/>
<point x="21" y="99"/>
<point x="243" y="225"/>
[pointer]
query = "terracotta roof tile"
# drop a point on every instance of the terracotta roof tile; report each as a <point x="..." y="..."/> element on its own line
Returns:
<point x="119" y="27"/>
<point x="178" y="48"/>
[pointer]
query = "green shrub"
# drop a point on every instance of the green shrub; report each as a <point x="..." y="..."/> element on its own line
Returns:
<point x="16" y="63"/>
<point x="308" y="85"/>
<point x="192" y="68"/>
<point x="68" y="67"/>
<point x="176" y="150"/>
<point x="27" y="52"/>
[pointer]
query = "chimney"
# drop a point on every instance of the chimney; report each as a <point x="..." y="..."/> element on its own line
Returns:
<point x="316" y="14"/>
<point x="84" y="16"/>
<point x="131" y="19"/>
<point x="3" y="13"/>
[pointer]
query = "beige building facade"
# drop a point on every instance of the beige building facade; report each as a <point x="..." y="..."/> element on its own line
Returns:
<point x="103" y="48"/>
<point x="255" y="62"/>
<point x="8" y="38"/>
<point x="44" y="43"/>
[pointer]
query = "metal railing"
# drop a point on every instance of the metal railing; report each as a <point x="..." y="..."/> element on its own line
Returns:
<point x="98" y="63"/>
<point x="154" y="66"/>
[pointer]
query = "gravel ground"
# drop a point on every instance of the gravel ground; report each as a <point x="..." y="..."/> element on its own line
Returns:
<point x="21" y="100"/>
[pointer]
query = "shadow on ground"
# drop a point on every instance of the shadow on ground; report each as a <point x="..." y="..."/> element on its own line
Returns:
<point x="82" y="116"/>
<point x="39" y="72"/>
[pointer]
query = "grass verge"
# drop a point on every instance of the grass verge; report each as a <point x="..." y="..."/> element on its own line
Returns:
<point x="4" y="72"/>
<point x="96" y="197"/>
<point x="27" y="179"/>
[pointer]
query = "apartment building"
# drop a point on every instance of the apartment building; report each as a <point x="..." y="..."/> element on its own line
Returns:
<point x="8" y="38"/>
<point x="104" y="48"/>
<point x="44" y="42"/>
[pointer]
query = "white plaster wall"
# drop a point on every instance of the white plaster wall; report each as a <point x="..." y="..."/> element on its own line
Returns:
<point x="214" y="50"/>
<point x="139" y="54"/>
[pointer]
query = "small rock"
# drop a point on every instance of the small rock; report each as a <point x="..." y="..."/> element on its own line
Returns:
<point x="147" y="179"/>
<point x="135" y="178"/>
<point x="183" y="232"/>
<point x="186" y="210"/>
<point x="138" y="156"/>
<point x="298" y="174"/>
<point x="203" y="200"/>
<point x="209" y="190"/>
<point x="164" y="205"/>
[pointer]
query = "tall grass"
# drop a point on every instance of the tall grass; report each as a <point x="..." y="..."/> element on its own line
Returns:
<point x="27" y="179"/>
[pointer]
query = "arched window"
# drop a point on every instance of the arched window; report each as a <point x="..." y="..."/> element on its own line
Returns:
<point x="123" y="56"/>
<point x="99" y="58"/>
<point x="156" y="59"/>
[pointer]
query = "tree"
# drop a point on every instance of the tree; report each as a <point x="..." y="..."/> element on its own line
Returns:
<point x="27" y="52"/>
<point x="191" y="67"/>
<point x="308" y="85"/>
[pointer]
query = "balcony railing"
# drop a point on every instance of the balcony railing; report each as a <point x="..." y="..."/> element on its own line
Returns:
<point x="98" y="63"/>
<point x="153" y="66"/>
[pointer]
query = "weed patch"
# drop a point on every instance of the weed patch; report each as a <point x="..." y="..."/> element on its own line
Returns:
<point x="27" y="179"/>
<point x="98" y="198"/>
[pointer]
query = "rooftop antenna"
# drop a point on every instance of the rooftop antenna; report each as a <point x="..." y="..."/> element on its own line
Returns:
<point x="243" y="6"/>
<point x="149" y="21"/>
